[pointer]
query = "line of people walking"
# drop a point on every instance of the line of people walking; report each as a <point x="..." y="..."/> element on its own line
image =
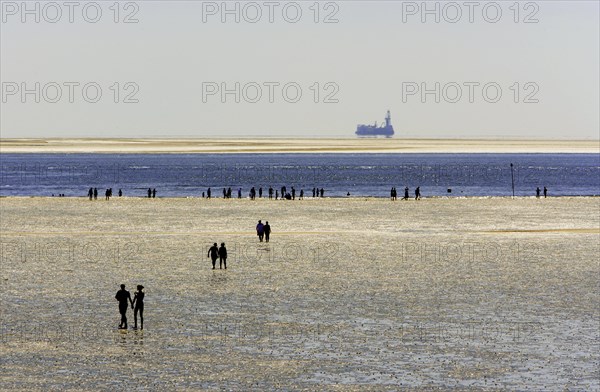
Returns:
<point x="394" y="193"/>
<point x="276" y="194"/>
<point x="108" y="193"/>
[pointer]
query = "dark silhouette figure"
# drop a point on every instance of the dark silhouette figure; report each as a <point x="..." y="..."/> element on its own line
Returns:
<point x="107" y="194"/>
<point x="301" y="194"/>
<point x="322" y="192"/>
<point x="267" y="229"/>
<point x="314" y="190"/>
<point x="91" y="193"/>
<point x="153" y="193"/>
<point x="95" y="193"/>
<point x="120" y="193"/>
<point x="138" y="302"/>
<point x="208" y="193"/>
<point x="293" y="193"/>
<point x="222" y="256"/>
<point x="537" y="192"/>
<point x="260" y="193"/>
<point x="270" y="192"/>
<point x="260" y="231"/>
<point x="203" y="195"/>
<point x="123" y="296"/>
<point x="545" y="192"/>
<point x="149" y="193"/>
<point x="224" y="193"/>
<point x="228" y="195"/>
<point x="239" y="193"/>
<point x="418" y="193"/>
<point x="213" y="253"/>
<point x="276" y="195"/>
<point x="405" y="193"/>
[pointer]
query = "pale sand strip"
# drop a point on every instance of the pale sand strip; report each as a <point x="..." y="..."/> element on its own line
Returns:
<point x="315" y="145"/>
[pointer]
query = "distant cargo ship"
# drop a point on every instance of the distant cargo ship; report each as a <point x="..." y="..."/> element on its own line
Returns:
<point x="386" y="130"/>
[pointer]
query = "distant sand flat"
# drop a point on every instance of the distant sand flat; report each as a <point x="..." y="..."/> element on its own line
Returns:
<point x="268" y="145"/>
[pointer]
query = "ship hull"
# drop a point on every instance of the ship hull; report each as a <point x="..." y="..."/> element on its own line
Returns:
<point x="374" y="132"/>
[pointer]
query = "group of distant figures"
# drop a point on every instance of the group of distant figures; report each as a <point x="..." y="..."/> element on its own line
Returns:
<point x="394" y="193"/>
<point x="291" y="195"/>
<point x="93" y="193"/>
<point x="537" y="192"/>
<point x="137" y="304"/>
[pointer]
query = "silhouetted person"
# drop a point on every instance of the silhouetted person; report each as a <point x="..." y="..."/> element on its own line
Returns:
<point x="213" y="253"/>
<point x="537" y="192"/>
<point x="120" y="193"/>
<point x="95" y="193"/>
<point x="123" y="296"/>
<point x="260" y="193"/>
<point x="276" y="195"/>
<point x="153" y="193"/>
<point x="260" y="231"/>
<point x="224" y="193"/>
<point x="322" y="192"/>
<point x="138" y="302"/>
<point x="239" y="193"/>
<point x="545" y="192"/>
<point x="229" y="193"/>
<point x="149" y="193"/>
<point x="288" y="196"/>
<point x="223" y="256"/>
<point x="314" y="192"/>
<point x="91" y="193"/>
<point x="270" y="192"/>
<point x="107" y="194"/>
<point x="203" y="195"/>
<point x="418" y="193"/>
<point x="208" y="193"/>
<point x="405" y="193"/>
<point x="267" y="229"/>
<point x="301" y="194"/>
<point x="348" y="194"/>
<point x="293" y="193"/>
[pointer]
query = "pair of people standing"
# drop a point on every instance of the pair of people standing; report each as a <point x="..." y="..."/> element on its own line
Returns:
<point x="218" y="253"/>
<point x="137" y="304"/>
<point x="263" y="231"/>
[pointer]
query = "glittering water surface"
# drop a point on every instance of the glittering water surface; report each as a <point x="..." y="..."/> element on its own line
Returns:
<point x="360" y="174"/>
<point x="484" y="294"/>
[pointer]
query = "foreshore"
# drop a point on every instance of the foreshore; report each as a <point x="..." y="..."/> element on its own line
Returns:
<point x="294" y="145"/>
<point x="349" y="294"/>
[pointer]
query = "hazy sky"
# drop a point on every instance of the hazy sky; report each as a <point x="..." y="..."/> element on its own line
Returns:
<point x="171" y="65"/>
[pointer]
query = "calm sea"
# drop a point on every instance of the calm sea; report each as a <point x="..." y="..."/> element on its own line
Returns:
<point x="183" y="175"/>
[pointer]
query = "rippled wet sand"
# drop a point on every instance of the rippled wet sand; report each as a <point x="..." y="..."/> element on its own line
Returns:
<point x="350" y="294"/>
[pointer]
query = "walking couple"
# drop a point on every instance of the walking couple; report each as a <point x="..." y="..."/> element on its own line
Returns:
<point x="221" y="253"/>
<point x="263" y="231"/>
<point x="137" y="304"/>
